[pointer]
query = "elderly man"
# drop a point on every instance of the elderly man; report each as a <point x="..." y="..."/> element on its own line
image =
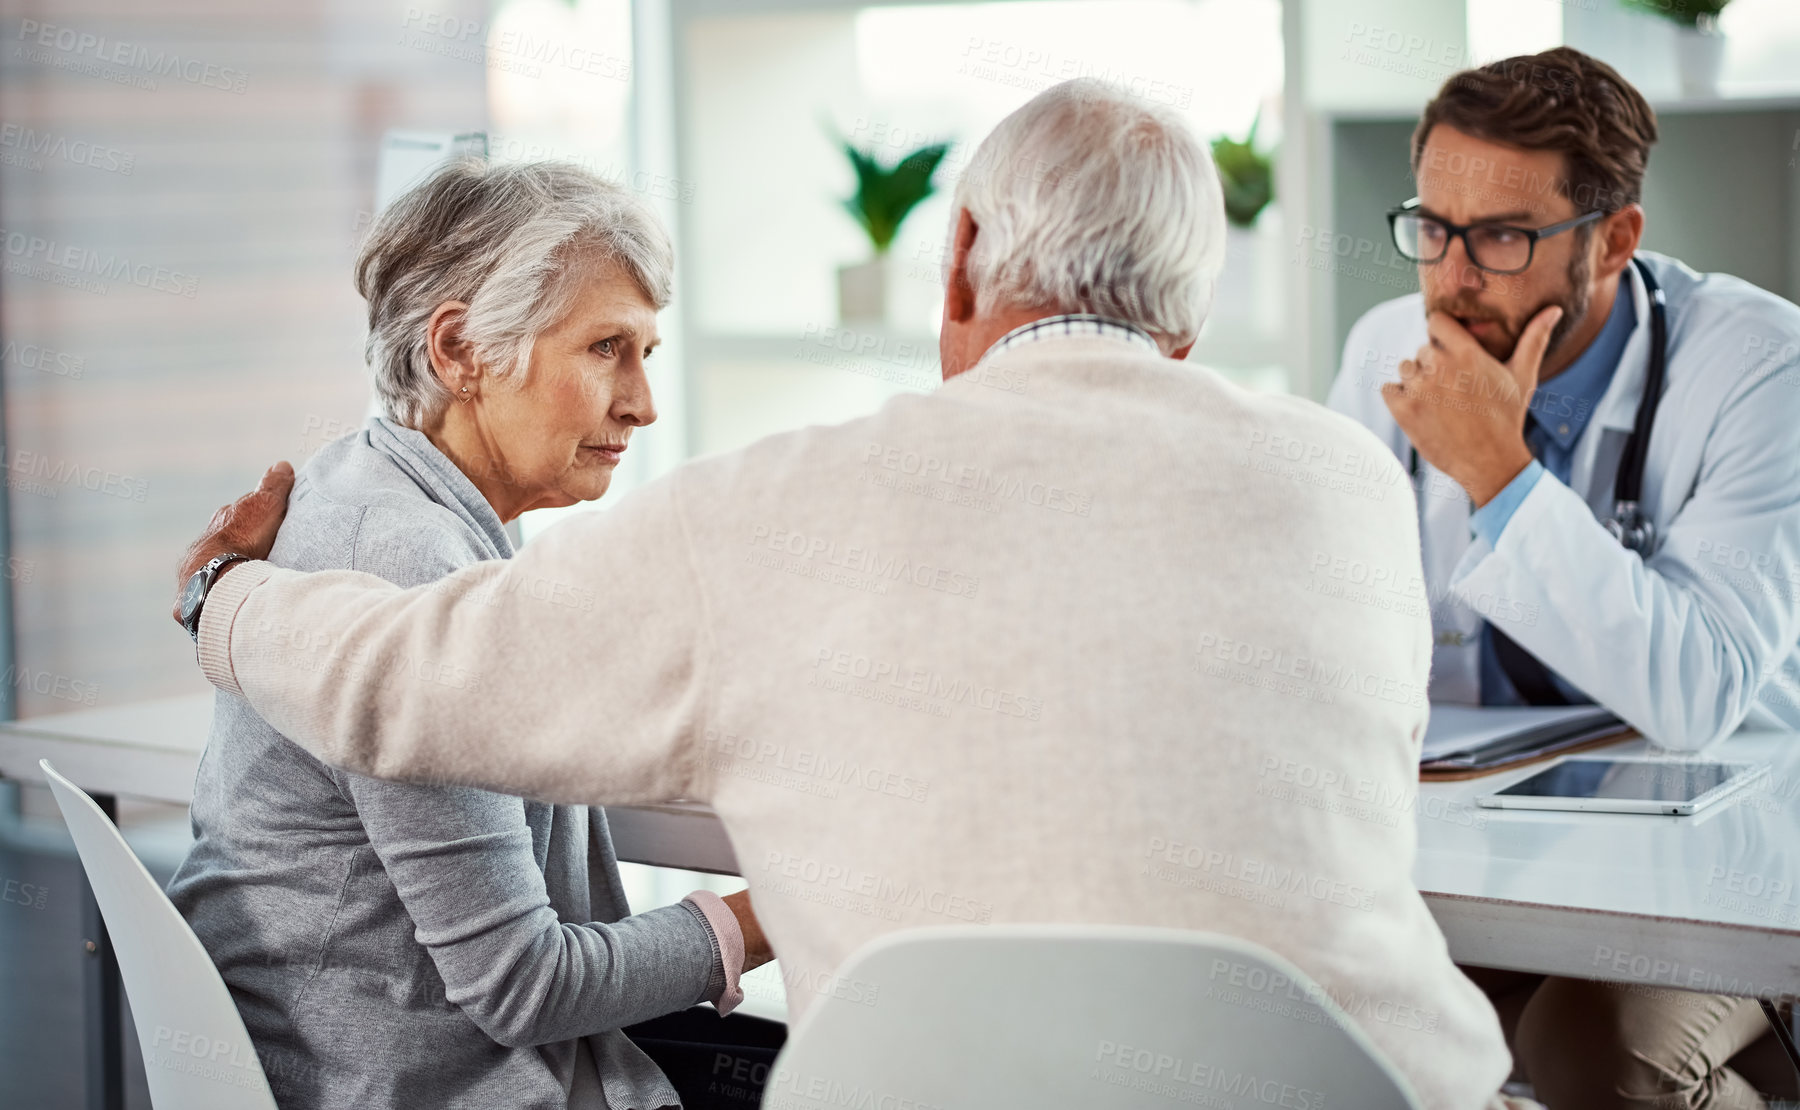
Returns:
<point x="1056" y="643"/>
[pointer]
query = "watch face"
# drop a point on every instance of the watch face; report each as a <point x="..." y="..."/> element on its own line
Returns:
<point x="190" y="597"/>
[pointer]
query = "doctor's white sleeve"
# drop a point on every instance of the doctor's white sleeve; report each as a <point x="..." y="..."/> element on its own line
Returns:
<point x="573" y="672"/>
<point x="1362" y="371"/>
<point x="1370" y="360"/>
<point x="1680" y="646"/>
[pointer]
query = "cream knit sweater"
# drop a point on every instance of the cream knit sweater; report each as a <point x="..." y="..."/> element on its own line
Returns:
<point x="1086" y="635"/>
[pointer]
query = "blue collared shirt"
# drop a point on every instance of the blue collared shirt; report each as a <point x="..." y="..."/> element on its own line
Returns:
<point x="1560" y="410"/>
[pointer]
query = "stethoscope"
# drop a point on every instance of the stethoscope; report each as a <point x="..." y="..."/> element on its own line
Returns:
<point x="1628" y="524"/>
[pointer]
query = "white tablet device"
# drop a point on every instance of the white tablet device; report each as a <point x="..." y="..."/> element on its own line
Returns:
<point x="1626" y="786"/>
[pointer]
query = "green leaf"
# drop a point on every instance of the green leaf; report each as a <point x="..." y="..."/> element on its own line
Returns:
<point x="1688" y="13"/>
<point x="1247" y="177"/>
<point x="885" y="195"/>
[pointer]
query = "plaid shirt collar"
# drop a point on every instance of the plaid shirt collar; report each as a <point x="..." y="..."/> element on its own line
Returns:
<point x="1080" y="324"/>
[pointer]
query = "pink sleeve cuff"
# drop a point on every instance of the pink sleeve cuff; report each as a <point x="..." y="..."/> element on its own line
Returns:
<point x="218" y="616"/>
<point x="725" y="930"/>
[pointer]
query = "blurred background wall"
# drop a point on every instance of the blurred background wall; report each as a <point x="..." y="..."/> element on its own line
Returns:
<point x="183" y="184"/>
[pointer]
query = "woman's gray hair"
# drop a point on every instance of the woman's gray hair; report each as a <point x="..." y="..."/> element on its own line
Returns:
<point x="508" y="240"/>
<point x="1089" y="200"/>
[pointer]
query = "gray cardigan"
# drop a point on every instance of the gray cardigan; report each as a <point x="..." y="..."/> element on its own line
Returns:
<point x="394" y="945"/>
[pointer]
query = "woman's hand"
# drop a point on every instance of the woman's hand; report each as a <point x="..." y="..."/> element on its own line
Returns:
<point x="247" y="526"/>
<point x="756" y="946"/>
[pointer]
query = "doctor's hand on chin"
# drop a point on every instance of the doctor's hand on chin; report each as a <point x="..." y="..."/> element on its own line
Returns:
<point x="1463" y="409"/>
<point x="247" y="526"/>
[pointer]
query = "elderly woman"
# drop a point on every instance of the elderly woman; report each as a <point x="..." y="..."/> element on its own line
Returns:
<point x="425" y="946"/>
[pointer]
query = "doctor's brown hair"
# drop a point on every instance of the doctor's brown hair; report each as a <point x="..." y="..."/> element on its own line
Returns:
<point x="1560" y="100"/>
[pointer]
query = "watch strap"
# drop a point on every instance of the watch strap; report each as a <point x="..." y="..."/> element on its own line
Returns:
<point x="220" y="562"/>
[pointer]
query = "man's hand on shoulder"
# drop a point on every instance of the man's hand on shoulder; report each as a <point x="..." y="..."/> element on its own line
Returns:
<point x="247" y="526"/>
<point x="1464" y="409"/>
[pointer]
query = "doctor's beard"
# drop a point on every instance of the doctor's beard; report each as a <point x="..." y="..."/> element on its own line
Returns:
<point x="1574" y="300"/>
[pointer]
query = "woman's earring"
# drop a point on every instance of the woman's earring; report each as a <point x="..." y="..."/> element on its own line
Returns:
<point x="465" y="396"/>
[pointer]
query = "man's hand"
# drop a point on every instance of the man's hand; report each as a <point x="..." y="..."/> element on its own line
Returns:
<point x="246" y="526"/>
<point x="756" y="946"/>
<point x="1464" y="409"/>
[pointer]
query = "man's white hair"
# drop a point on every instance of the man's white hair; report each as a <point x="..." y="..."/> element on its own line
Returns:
<point x="1089" y="200"/>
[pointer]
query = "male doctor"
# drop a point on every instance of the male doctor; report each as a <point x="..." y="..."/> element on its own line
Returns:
<point x="1514" y="385"/>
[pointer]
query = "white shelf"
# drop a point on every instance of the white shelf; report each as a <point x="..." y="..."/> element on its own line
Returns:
<point x="822" y="344"/>
<point x="1725" y="102"/>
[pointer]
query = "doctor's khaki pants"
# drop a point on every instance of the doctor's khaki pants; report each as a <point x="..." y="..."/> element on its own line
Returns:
<point x="1584" y="1045"/>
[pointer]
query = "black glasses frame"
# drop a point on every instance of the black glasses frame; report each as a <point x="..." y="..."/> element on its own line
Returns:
<point x="1461" y="231"/>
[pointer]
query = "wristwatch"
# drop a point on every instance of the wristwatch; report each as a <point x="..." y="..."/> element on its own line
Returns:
<point x="193" y="597"/>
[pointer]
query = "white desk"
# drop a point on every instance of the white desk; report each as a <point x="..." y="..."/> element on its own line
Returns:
<point x="1710" y="902"/>
<point x="146" y="749"/>
<point x="149" y="750"/>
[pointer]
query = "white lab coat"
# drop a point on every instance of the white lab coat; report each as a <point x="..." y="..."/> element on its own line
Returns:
<point x="1702" y="635"/>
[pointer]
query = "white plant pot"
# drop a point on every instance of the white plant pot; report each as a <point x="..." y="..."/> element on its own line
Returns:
<point x="1700" y="58"/>
<point x="863" y="291"/>
<point x="1639" y="44"/>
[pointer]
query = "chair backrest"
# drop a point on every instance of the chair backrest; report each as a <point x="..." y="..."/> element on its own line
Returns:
<point x="1059" y="1017"/>
<point x="197" y="1055"/>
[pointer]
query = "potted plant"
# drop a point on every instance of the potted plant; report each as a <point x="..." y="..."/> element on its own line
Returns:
<point x="1247" y="176"/>
<point x="1699" y="47"/>
<point x="883" y="198"/>
<point x="1245" y="317"/>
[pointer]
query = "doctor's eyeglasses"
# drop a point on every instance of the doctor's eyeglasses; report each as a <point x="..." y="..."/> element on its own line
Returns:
<point x="1496" y="248"/>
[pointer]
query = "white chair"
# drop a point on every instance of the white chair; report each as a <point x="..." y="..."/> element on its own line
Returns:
<point x="1056" y="1017"/>
<point x="197" y="1055"/>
